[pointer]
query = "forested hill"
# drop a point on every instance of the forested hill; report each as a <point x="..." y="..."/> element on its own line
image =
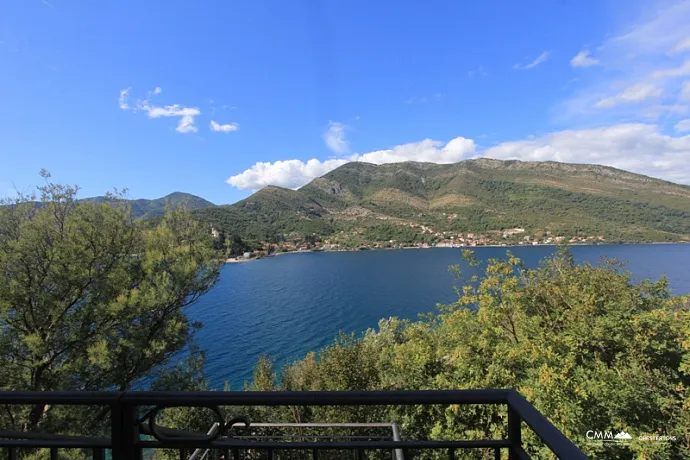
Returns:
<point x="146" y="209"/>
<point x="481" y="195"/>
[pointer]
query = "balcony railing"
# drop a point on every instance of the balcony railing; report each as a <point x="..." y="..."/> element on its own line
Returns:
<point x="133" y="416"/>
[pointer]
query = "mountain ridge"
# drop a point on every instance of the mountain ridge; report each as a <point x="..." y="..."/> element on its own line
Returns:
<point x="143" y="208"/>
<point x="481" y="194"/>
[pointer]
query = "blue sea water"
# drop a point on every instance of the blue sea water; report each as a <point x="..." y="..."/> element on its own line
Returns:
<point x="288" y="305"/>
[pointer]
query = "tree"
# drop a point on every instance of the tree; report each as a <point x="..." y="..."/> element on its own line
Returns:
<point x="236" y="246"/>
<point x="90" y="300"/>
<point x="587" y="345"/>
<point x="219" y="242"/>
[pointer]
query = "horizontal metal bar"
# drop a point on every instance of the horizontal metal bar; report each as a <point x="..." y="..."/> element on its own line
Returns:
<point x="257" y="398"/>
<point x="72" y="444"/>
<point x="316" y="398"/>
<point x="145" y="428"/>
<point x="549" y="434"/>
<point x="103" y="398"/>
<point x="314" y="436"/>
<point x="28" y="435"/>
<point x="317" y="425"/>
<point x="373" y="445"/>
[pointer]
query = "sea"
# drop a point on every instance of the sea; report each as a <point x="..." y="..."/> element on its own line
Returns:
<point x="288" y="305"/>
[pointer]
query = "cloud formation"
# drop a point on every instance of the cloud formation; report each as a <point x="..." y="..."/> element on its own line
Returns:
<point x="679" y="71"/>
<point x="642" y="70"/>
<point x="226" y="128"/>
<point x="185" y="114"/>
<point x="478" y="71"/>
<point x="123" y="101"/>
<point x="289" y="173"/>
<point x="681" y="47"/>
<point x="631" y="95"/>
<point x="583" y="59"/>
<point x="636" y="147"/>
<point x="295" y="173"/>
<point x="335" y="137"/>
<point x="685" y="92"/>
<point x="540" y="59"/>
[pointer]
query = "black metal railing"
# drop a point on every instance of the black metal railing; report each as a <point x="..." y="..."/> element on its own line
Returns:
<point x="133" y="415"/>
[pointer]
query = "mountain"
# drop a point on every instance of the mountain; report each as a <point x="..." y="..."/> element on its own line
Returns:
<point x="146" y="209"/>
<point x="481" y="195"/>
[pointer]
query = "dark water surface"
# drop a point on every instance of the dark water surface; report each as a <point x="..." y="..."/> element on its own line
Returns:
<point x="288" y="305"/>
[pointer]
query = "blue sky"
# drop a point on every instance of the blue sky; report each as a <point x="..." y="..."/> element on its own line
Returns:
<point x="219" y="98"/>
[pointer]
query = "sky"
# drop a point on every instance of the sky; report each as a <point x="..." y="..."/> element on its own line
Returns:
<point x="219" y="98"/>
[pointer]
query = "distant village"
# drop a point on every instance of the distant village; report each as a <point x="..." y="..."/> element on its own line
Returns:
<point x="353" y="240"/>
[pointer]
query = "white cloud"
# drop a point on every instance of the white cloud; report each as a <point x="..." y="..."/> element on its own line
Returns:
<point x="583" y="59"/>
<point x="540" y="59"/>
<point x="226" y="128"/>
<point x="685" y="91"/>
<point x="478" y="71"/>
<point x="154" y="92"/>
<point x="632" y="95"/>
<point x="289" y="174"/>
<point x="635" y="147"/>
<point x="124" y="99"/>
<point x="655" y="111"/>
<point x="186" y="124"/>
<point x="186" y="114"/>
<point x="295" y="173"/>
<point x="638" y="54"/>
<point x="335" y="137"/>
<point x="681" y="47"/>
<point x="660" y="30"/>
<point x="680" y="71"/>
<point x="683" y="126"/>
<point x="428" y="150"/>
<point x="174" y="110"/>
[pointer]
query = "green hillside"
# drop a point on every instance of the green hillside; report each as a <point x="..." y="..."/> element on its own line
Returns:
<point x="270" y="211"/>
<point x="147" y="209"/>
<point x="479" y="195"/>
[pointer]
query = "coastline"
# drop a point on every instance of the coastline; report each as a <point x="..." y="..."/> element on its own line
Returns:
<point x="507" y="246"/>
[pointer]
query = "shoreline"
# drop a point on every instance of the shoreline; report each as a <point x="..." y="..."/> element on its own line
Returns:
<point x="235" y="261"/>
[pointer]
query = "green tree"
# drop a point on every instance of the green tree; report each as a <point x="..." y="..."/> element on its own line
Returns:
<point x="236" y="246"/>
<point x="90" y="300"/>
<point x="587" y="345"/>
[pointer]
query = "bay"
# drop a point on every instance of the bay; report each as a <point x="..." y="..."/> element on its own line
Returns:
<point x="288" y="305"/>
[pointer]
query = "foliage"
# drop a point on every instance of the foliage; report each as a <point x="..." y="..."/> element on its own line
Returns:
<point x="268" y="213"/>
<point x="91" y="300"/>
<point x="590" y="348"/>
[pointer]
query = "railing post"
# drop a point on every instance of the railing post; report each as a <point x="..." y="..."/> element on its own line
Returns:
<point x="514" y="433"/>
<point x="396" y="437"/>
<point x="125" y="432"/>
